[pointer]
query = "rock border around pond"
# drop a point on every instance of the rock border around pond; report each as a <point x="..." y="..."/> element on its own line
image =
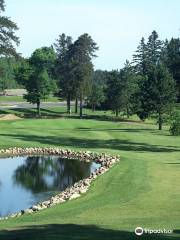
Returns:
<point x="81" y="187"/>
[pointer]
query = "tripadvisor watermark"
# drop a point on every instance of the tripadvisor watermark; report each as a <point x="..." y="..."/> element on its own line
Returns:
<point x="140" y="231"/>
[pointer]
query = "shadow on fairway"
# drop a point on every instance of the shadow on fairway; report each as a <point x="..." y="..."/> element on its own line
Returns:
<point x="173" y="163"/>
<point x="2" y="111"/>
<point x="32" y="113"/>
<point x="133" y="130"/>
<point x="115" y="144"/>
<point x="75" y="232"/>
<point x="49" y="113"/>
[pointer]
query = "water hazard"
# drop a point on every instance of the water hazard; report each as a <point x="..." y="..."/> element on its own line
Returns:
<point x="25" y="181"/>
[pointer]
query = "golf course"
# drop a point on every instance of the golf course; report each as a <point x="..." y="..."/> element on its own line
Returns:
<point x="89" y="120"/>
<point x="141" y="190"/>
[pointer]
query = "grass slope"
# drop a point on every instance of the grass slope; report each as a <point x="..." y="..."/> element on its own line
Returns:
<point x="142" y="190"/>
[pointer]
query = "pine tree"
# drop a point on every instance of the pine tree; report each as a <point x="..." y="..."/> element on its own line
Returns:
<point x="97" y="96"/>
<point x="156" y="85"/>
<point x="172" y="61"/>
<point x="8" y="39"/>
<point x="129" y="87"/>
<point x="62" y="45"/>
<point x="154" y="48"/>
<point x="157" y="93"/>
<point x="64" y="69"/>
<point x="140" y="58"/>
<point x="83" y="51"/>
<point x="114" y="92"/>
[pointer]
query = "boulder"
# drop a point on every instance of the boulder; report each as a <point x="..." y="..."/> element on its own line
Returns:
<point x="74" y="196"/>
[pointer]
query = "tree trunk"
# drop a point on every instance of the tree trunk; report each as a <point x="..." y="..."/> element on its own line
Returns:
<point x="38" y="108"/>
<point x="117" y="113"/>
<point x="76" y="105"/>
<point x="93" y="107"/>
<point x="160" y="122"/>
<point x="81" y="107"/>
<point x="128" y="113"/>
<point x="68" y="104"/>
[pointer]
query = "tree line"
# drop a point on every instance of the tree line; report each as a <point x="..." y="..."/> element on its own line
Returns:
<point x="65" y="69"/>
<point x="147" y="86"/>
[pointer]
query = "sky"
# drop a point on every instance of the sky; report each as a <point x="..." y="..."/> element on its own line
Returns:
<point x="115" y="25"/>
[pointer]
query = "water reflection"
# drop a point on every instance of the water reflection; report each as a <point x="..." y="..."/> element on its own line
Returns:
<point x="40" y="173"/>
<point x="24" y="181"/>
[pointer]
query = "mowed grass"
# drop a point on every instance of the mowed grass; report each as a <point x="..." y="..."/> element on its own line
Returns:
<point x="142" y="190"/>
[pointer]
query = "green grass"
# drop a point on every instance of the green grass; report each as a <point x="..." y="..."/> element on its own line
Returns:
<point x="142" y="190"/>
<point x="53" y="112"/>
<point x="58" y="112"/>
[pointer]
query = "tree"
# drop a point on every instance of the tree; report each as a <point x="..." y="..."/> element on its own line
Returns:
<point x="154" y="48"/>
<point x="156" y="85"/>
<point x="38" y="88"/>
<point x="100" y="77"/>
<point x="172" y="60"/>
<point x="83" y="50"/>
<point x="140" y="58"/>
<point x="36" y="75"/>
<point x="129" y="88"/>
<point x="121" y="88"/>
<point x="23" y="71"/>
<point x="44" y="57"/>
<point x="7" y="69"/>
<point x="114" y="92"/>
<point x="63" y="46"/>
<point x="8" y="39"/>
<point x="175" y="123"/>
<point x="158" y="93"/>
<point x="97" y="96"/>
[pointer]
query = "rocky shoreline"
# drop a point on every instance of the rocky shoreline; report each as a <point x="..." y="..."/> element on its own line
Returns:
<point x="106" y="161"/>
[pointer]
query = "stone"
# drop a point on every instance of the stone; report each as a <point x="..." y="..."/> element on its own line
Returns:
<point x="61" y="200"/>
<point x="35" y="208"/>
<point x="74" y="196"/>
<point x="26" y="211"/>
<point x="83" y="190"/>
<point x="86" y="182"/>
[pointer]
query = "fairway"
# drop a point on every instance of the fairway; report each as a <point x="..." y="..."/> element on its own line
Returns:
<point x="89" y="120"/>
<point x="142" y="190"/>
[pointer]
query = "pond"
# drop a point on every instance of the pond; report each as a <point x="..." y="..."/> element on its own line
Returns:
<point x="25" y="181"/>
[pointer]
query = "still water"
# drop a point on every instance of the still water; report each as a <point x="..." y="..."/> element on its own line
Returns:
<point x="25" y="181"/>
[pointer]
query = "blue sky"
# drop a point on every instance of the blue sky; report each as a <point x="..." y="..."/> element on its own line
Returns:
<point x="116" y="25"/>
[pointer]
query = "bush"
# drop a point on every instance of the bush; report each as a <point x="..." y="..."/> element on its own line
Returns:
<point x="175" y="124"/>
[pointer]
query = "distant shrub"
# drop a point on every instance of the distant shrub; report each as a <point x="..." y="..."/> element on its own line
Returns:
<point x="175" y="124"/>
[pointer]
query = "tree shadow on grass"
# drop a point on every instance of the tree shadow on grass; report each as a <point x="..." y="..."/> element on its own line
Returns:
<point x="32" y="113"/>
<point x="115" y="144"/>
<point x="172" y="163"/>
<point x="105" y="118"/>
<point x="75" y="232"/>
<point x="50" y="111"/>
<point x="138" y="130"/>
<point x="2" y="111"/>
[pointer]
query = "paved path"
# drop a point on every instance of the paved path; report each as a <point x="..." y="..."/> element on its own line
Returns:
<point x="4" y="105"/>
